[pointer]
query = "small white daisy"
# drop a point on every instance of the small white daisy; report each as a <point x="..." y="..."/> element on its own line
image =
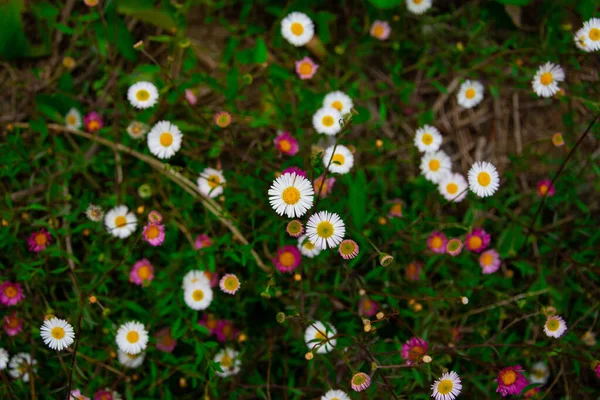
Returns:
<point x="447" y="387"/>
<point x="164" y="139"/>
<point x="418" y="6"/>
<point x="483" y="179"/>
<point x="555" y="326"/>
<point x="338" y="100"/>
<point x="335" y="395"/>
<point x="21" y="365"/>
<point x="428" y="139"/>
<point x="73" y="119"/>
<point x="198" y="296"/>
<point x="539" y="373"/>
<point x="470" y="94"/>
<point x="320" y="334"/>
<point x="297" y="28"/>
<point x="195" y="276"/>
<point x="142" y="95"/>
<point x="435" y="166"/>
<point x="307" y="248"/>
<point x="131" y="360"/>
<point x="327" y="120"/>
<point x="292" y="195"/>
<point x="230" y="362"/>
<point x="120" y="222"/>
<point x="211" y="182"/>
<point x="592" y="37"/>
<point x="579" y="39"/>
<point x="57" y="334"/>
<point x="339" y="162"/>
<point x="137" y="129"/>
<point x="546" y="79"/>
<point x="325" y="229"/>
<point x="3" y="359"/>
<point x="132" y="337"/>
<point x="454" y="187"/>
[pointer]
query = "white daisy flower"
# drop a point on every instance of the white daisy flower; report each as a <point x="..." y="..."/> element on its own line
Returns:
<point x="555" y="326"/>
<point x="164" y="139"/>
<point x="230" y="362"/>
<point x="447" y="387"/>
<point x="418" y="6"/>
<point x="57" y="334"/>
<point x="292" y="195"/>
<point x="339" y="162"/>
<point x="195" y="276"/>
<point x="73" y="119"/>
<point x="297" y="28"/>
<point x="470" y="94"/>
<point x="579" y="39"/>
<point x="592" y="37"/>
<point x="211" y="182"/>
<point x="3" y="359"/>
<point x="325" y="229"/>
<point x="546" y="79"/>
<point x="318" y="334"/>
<point x="137" y="129"/>
<point x="307" y="248"/>
<point x="132" y="337"/>
<point x="21" y="365"/>
<point x="131" y="360"/>
<point x="428" y="139"/>
<point x="142" y="95"/>
<point x="338" y="100"/>
<point x="453" y="187"/>
<point x="327" y="120"/>
<point x="335" y="395"/>
<point x="483" y="179"/>
<point x="539" y="373"/>
<point x="198" y="296"/>
<point x="435" y="166"/>
<point x="120" y="222"/>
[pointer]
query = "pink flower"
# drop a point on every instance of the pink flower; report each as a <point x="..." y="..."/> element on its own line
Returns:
<point x="367" y="307"/>
<point x="222" y="119"/>
<point x="348" y="249"/>
<point x="489" y="261"/>
<point x="76" y="394"/>
<point x="294" y="228"/>
<point x="38" y="241"/>
<point x="414" y="349"/>
<point x="93" y="122"/>
<point x="229" y="284"/>
<point x="456" y="333"/>
<point x="323" y="188"/>
<point x="477" y="240"/>
<point x="396" y="210"/>
<point x="154" y="234"/>
<point x="286" y="144"/>
<point x="454" y="247"/>
<point x="531" y="392"/>
<point x="306" y="68"/>
<point x="225" y="331"/>
<point x="213" y="277"/>
<point x="597" y="370"/>
<point x="413" y="271"/>
<point x="291" y="170"/>
<point x="287" y="258"/>
<point x="202" y="241"/>
<point x="380" y="30"/>
<point x="164" y="340"/>
<point x="142" y="271"/>
<point x="545" y="188"/>
<point x="511" y="381"/>
<point x="360" y="381"/>
<point x="209" y="322"/>
<point x="106" y="394"/>
<point x="154" y="217"/>
<point x="11" y="293"/>
<point x="191" y="97"/>
<point x="437" y="242"/>
<point x="13" y="324"/>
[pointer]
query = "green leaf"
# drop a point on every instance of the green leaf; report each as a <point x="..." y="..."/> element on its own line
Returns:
<point x="260" y="51"/>
<point x="386" y="3"/>
<point x="13" y="42"/>
<point x="515" y="2"/>
<point x="159" y="18"/>
<point x="358" y="200"/>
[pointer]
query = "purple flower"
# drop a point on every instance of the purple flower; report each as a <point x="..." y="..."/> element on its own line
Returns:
<point x="154" y="234"/>
<point x="38" y="241"/>
<point x="291" y="170"/>
<point x="164" y="340"/>
<point x="142" y="271"/>
<point x="11" y="293"/>
<point x="511" y="381"/>
<point x="93" y="122"/>
<point x="414" y="349"/>
<point x="477" y="241"/>
<point x="287" y="258"/>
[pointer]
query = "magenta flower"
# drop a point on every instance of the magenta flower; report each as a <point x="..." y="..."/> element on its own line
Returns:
<point x="286" y="144"/>
<point x="11" y="293"/>
<point x="13" y="324"/>
<point x="209" y="322"/>
<point x="414" y="349"/>
<point x="454" y="247"/>
<point x="154" y="234"/>
<point x="76" y="394"/>
<point x="106" y="394"/>
<point x="191" y="97"/>
<point x="287" y="258"/>
<point x="325" y="187"/>
<point x="360" y="381"/>
<point x="489" y="261"/>
<point x="477" y="241"/>
<point x="396" y="209"/>
<point x="154" y="217"/>
<point x="306" y="68"/>
<point x="142" y="271"/>
<point x="202" y="241"/>
<point x="367" y="307"/>
<point x="165" y="341"/>
<point x="511" y="381"/>
<point x="413" y="271"/>
<point x="225" y="331"/>
<point x="38" y="241"/>
<point x="93" y="122"/>
<point x="545" y="188"/>
<point x="380" y="30"/>
<point x="292" y="170"/>
<point x="597" y="370"/>
<point x="437" y="242"/>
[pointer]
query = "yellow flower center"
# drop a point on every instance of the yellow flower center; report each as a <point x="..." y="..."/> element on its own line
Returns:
<point x="427" y="139"/>
<point x="152" y="232"/>
<point x="539" y="373"/>
<point x="320" y="336"/>
<point x="142" y="95"/>
<point x="397" y="208"/>
<point x="445" y="386"/>
<point x="213" y="181"/>
<point x="452" y="188"/>
<point x="198" y="295"/>
<point x="337" y="105"/>
<point x="287" y="259"/>
<point x="231" y="283"/>
<point x="308" y="245"/>
<point x="470" y="93"/>
<point x="508" y="377"/>
<point x="144" y="272"/>
<point x="13" y="322"/>
<point x="434" y="165"/>
<point x="378" y="31"/>
<point x="546" y="78"/>
<point x="297" y="28"/>
<point x="358" y="379"/>
<point x="417" y="1"/>
<point x="71" y="120"/>
<point x="166" y="139"/>
<point x="552" y="324"/>
<point x="325" y="229"/>
<point x="595" y="34"/>
<point x="226" y="361"/>
<point x="120" y="221"/>
<point x="285" y="145"/>
<point x="543" y="189"/>
<point x="484" y="178"/>
<point x="327" y="120"/>
<point x="486" y="259"/>
<point x="436" y="242"/>
<point x="133" y="337"/>
<point x="57" y="332"/>
<point x="338" y="159"/>
<point x="290" y="195"/>
<point x="415" y="353"/>
<point x="93" y="125"/>
<point x="40" y="239"/>
<point x="475" y="242"/>
<point x="306" y="68"/>
<point x="348" y="248"/>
